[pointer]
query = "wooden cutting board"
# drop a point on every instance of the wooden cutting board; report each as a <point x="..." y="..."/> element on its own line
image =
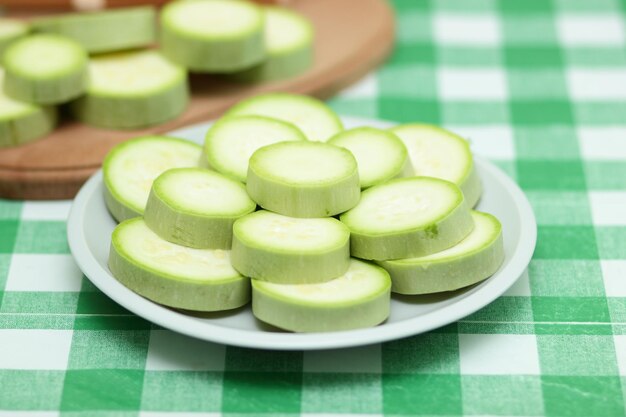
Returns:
<point x="352" y="37"/>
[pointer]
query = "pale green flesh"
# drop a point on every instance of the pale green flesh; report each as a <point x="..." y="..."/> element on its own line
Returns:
<point x="231" y="141"/>
<point x="275" y="248"/>
<point x="202" y="192"/>
<point x="285" y="30"/>
<point x="401" y="205"/>
<point x="10" y="28"/>
<point x="362" y="280"/>
<point x="435" y="152"/>
<point x="194" y="279"/>
<point x="44" y="57"/>
<point x="142" y="245"/>
<point x="379" y="154"/>
<point x="303" y="179"/>
<point x="303" y="163"/>
<point x="213" y="18"/>
<point x="105" y="30"/>
<point x="131" y="167"/>
<point x="131" y="74"/>
<point x="11" y="108"/>
<point x="357" y="299"/>
<point x="313" y="117"/>
<point x="473" y="259"/>
<point x="277" y="232"/>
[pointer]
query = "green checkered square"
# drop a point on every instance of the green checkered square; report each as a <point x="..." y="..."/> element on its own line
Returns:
<point x="532" y="57"/>
<point x="439" y="354"/>
<point x="566" y="242"/>
<point x="109" y="349"/>
<point x="551" y="175"/>
<point x="422" y="394"/>
<point x="505" y="309"/>
<point x="41" y="237"/>
<point x="586" y="355"/>
<point x="582" y="396"/>
<point x="30" y="390"/>
<point x="39" y="302"/>
<point x="341" y="393"/>
<point x="599" y="112"/>
<point x="611" y="242"/>
<point x="502" y="395"/>
<point x="544" y="112"/>
<point x="474" y="113"/>
<point x="526" y="6"/>
<point x="116" y="322"/>
<point x="546" y="142"/>
<point x="182" y="391"/>
<point x="412" y="53"/>
<point x="102" y="389"/>
<point x="413" y="26"/>
<point x="584" y="6"/>
<point x="8" y="231"/>
<point x="528" y="30"/>
<point x="560" y="208"/>
<point x="258" y="392"/>
<point x="570" y="309"/>
<point x="362" y="107"/>
<point x="404" y="110"/>
<point x="455" y="56"/>
<point x="416" y="81"/>
<point x="10" y="209"/>
<point x="605" y="175"/>
<point x="557" y="277"/>
<point x="464" y="6"/>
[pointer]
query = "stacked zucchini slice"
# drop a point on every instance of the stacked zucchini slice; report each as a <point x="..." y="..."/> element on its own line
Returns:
<point x="314" y="223"/>
<point x="116" y="70"/>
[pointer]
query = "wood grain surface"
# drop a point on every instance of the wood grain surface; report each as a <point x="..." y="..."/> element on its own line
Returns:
<point x="352" y="37"/>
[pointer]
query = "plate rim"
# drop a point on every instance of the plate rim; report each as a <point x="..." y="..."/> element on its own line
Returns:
<point x="170" y="319"/>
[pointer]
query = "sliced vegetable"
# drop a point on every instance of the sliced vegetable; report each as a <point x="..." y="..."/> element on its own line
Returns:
<point x="104" y="31"/>
<point x="23" y="122"/>
<point x="132" y="90"/>
<point x="213" y="35"/>
<point x="173" y="275"/>
<point x="303" y="179"/>
<point x="289" y="47"/>
<point x="286" y="250"/>
<point x="312" y="116"/>
<point x="357" y="299"/>
<point x="436" y="152"/>
<point x="231" y="141"/>
<point x="379" y="154"/>
<point x="196" y="207"/>
<point x="45" y="69"/>
<point x="472" y="260"/>
<point x="130" y="168"/>
<point x="10" y="31"/>
<point x="407" y="217"/>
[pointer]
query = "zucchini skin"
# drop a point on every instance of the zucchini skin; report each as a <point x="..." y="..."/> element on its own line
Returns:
<point x="27" y="127"/>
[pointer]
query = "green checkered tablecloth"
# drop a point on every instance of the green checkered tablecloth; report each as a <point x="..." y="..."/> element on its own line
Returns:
<point x="539" y="87"/>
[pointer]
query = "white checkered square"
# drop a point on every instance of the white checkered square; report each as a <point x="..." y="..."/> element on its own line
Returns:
<point x="498" y="354"/>
<point x="614" y="275"/>
<point x="597" y="84"/>
<point x="367" y="87"/>
<point x="603" y="143"/>
<point x="169" y="351"/>
<point x="472" y="84"/>
<point x="32" y="272"/>
<point x="365" y="359"/>
<point x="469" y="30"/>
<point x="34" y="349"/>
<point x="46" y="210"/>
<point x="608" y="208"/>
<point x="591" y="30"/>
<point x="493" y="142"/>
<point x="620" y="352"/>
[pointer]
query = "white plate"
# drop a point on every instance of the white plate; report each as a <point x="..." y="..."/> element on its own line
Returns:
<point x="89" y="229"/>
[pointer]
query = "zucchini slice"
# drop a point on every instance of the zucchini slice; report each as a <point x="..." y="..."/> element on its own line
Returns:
<point x="287" y="250"/>
<point x="104" y="31"/>
<point x="213" y="35"/>
<point x="132" y="90"/>
<point x="303" y="179"/>
<point x="196" y="207"/>
<point x="316" y="120"/>
<point x="45" y="69"/>
<point x="10" y="31"/>
<point x="472" y="260"/>
<point x="23" y="122"/>
<point x="407" y="217"/>
<point x="173" y="275"/>
<point x="231" y="141"/>
<point x="130" y="168"/>
<point x="288" y="43"/>
<point x="359" y="298"/>
<point x="436" y="152"/>
<point x="379" y="154"/>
